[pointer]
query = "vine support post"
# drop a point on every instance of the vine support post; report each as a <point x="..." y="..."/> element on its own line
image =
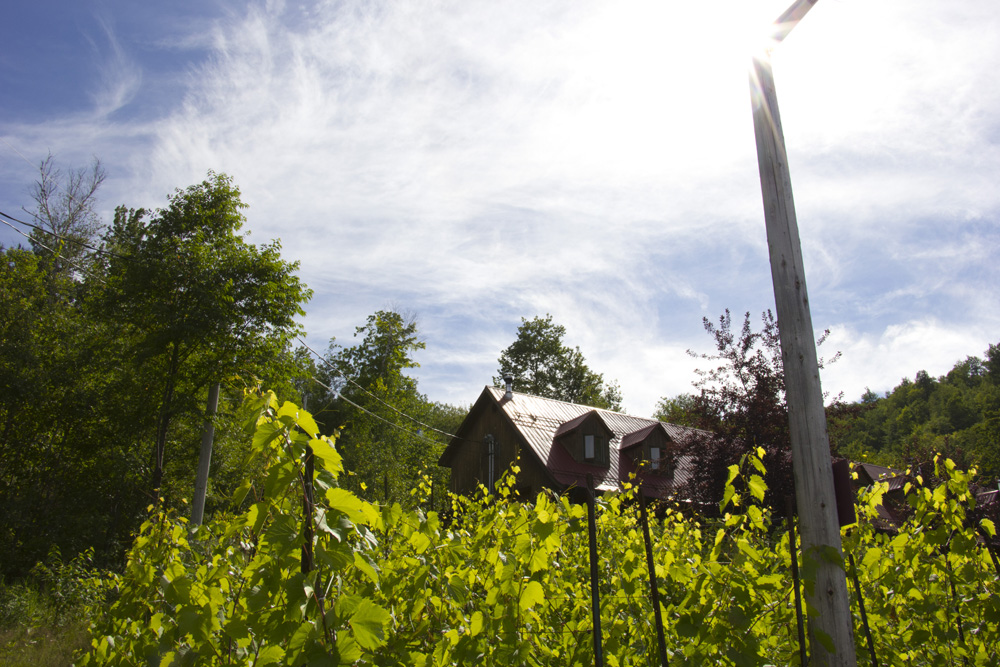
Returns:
<point x="595" y="593"/>
<point x="793" y="551"/>
<point x="308" y="507"/>
<point x="654" y="592"/>
<point x="807" y="419"/>
<point x="861" y="608"/>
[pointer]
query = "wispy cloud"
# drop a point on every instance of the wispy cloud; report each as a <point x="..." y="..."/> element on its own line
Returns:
<point x="120" y="76"/>
<point x="478" y="162"/>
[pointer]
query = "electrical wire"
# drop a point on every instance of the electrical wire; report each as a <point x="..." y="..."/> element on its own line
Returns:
<point x="19" y="153"/>
<point x="68" y="261"/>
<point x="391" y="407"/>
<point x="376" y="416"/>
<point x="65" y="239"/>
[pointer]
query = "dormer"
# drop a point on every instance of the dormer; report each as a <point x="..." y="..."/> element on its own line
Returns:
<point x="650" y="447"/>
<point x="586" y="438"/>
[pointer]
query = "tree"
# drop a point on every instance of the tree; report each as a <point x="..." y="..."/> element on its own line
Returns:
<point x="65" y="209"/>
<point x="100" y="368"/>
<point x="741" y="404"/>
<point x="543" y="366"/>
<point x="67" y="471"/>
<point x="197" y="302"/>
<point x="681" y="410"/>
<point x="955" y="414"/>
<point x="388" y="435"/>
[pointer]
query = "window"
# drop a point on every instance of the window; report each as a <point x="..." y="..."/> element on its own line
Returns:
<point x="654" y="458"/>
<point x="588" y="447"/>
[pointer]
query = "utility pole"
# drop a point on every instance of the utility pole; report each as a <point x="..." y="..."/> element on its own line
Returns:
<point x="205" y="457"/>
<point x="817" y="505"/>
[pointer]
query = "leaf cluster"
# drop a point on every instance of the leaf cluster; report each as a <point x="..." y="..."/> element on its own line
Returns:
<point x="501" y="581"/>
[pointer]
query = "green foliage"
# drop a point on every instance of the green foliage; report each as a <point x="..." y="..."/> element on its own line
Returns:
<point x="179" y="301"/>
<point x="197" y="303"/>
<point x="386" y="442"/>
<point x="504" y="582"/>
<point x="43" y="617"/>
<point x="239" y="590"/>
<point x="681" y="409"/>
<point x="957" y="414"/>
<point x="543" y="366"/>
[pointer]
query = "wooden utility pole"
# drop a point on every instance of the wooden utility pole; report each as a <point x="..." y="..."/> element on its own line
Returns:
<point x="205" y="457"/>
<point x="817" y="505"/>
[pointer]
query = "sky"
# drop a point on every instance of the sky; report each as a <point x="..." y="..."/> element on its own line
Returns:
<point x="478" y="162"/>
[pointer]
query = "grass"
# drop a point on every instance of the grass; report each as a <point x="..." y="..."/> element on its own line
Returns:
<point x="26" y="646"/>
<point x="43" y="619"/>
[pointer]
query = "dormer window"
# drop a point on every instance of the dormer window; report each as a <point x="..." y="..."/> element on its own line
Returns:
<point x="586" y="438"/>
<point x="651" y="449"/>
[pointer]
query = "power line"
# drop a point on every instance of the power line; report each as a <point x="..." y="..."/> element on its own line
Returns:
<point x="376" y="416"/>
<point x="391" y="407"/>
<point x="66" y="239"/>
<point x="19" y="153"/>
<point x="68" y="261"/>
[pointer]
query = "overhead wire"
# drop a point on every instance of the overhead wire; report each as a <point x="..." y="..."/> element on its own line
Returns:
<point x="19" y="153"/>
<point x="391" y="407"/>
<point x="54" y="252"/>
<point x="66" y="239"/>
<point x="376" y="416"/>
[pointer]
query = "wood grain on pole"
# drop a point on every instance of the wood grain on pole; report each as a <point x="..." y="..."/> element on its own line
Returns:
<point x="814" y="491"/>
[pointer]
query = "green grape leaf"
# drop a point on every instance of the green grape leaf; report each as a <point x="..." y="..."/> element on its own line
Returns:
<point x="368" y="623"/>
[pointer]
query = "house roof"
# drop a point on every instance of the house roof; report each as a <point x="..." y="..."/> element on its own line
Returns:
<point x="875" y="473"/>
<point x="538" y="420"/>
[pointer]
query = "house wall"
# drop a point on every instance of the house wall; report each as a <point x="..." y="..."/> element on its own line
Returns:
<point x="470" y="465"/>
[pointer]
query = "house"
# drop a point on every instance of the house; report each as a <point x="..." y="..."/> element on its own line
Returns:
<point x="894" y="509"/>
<point x="559" y="444"/>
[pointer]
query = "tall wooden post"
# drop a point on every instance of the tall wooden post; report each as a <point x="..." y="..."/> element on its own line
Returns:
<point x="817" y="506"/>
<point x="204" y="458"/>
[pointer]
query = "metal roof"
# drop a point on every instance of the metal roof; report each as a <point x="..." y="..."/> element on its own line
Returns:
<point x="539" y="419"/>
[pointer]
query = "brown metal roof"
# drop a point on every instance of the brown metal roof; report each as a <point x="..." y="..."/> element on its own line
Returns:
<point x="539" y="420"/>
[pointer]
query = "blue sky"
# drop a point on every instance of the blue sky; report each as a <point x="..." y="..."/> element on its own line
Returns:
<point x="477" y="162"/>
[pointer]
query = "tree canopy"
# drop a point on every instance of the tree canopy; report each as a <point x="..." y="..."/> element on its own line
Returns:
<point x="740" y="405"/>
<point x="392" y="434"/>
<point x="956" y="414"/>
<point x="197" y="300"/>
<point x="543" y="365"/>
<point x="106" y="366"/>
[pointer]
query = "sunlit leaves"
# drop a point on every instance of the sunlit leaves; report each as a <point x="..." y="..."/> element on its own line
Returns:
<point x="504" y="582"/>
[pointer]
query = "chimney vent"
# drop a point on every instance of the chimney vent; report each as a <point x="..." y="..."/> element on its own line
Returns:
<point x="509" y="382"/>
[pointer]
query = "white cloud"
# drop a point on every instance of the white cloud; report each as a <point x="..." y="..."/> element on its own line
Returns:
<point x="120" y="76"/>
<point x="479" y="162"/>
<point x="880" y="360"/>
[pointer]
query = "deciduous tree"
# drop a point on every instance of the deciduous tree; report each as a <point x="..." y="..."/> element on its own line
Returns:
<point x="388" y="437"/>
<point x="543" y="365"/>
<point x="196" y="300"/>
<point x="66" y="211"/>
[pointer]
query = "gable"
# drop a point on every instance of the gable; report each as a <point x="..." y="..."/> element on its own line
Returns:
<point x="543" y="424"/>
<point x="586" y="438"/>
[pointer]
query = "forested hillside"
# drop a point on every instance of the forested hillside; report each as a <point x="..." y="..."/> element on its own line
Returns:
<point x="957" y="414"/>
